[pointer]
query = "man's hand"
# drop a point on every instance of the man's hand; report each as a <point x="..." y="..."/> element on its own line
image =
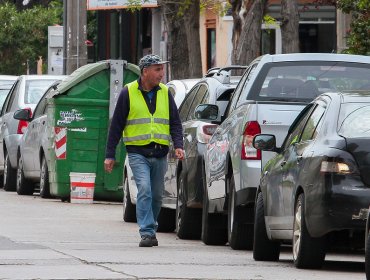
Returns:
<point x="108" y="165"/>
<point x="179" y="153"/>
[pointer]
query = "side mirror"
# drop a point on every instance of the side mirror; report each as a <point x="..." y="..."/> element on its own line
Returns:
<point x="23" y="115"/>
<point x="206" y="112"/>
<point x="265" y="142"/>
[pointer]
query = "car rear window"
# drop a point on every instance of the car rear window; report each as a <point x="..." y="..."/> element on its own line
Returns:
<point x="303" y="81"/>
<point x="35" y="90"/>
<point x="354" y="120"/>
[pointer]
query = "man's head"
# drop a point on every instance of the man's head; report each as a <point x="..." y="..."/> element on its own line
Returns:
<point x="151" y="67"/>
<point x="149" y="60"/>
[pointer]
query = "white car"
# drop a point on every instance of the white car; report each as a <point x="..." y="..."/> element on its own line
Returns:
<point x="179" y="88"/>
<point x="166" y="220"/>
<point x="6" y="83"/>
<point x="26" y="93"/>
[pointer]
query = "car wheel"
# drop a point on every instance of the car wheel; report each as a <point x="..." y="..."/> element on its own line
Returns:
<point x="188" y="220"/>
<point x="44" y="179"/>
<point x="129" y="209"/>
<point x="166" y="220"/>
<point x="10" y="175"/>
<point x="367" y="250"/>
<point x="214" y="226"/>
<point x="240" y="233"/>
<point x="263" y="248"/>
<point x="23" y="186"/>
<point x="308" y="252"/>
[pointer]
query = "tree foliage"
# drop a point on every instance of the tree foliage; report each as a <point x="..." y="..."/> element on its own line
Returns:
<point x="24" y="35"/>
<point x="358" y="39"/>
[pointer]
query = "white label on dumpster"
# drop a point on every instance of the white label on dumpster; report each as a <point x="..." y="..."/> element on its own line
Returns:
<point x="66" y="117"/>
<point x="81" y="129"/>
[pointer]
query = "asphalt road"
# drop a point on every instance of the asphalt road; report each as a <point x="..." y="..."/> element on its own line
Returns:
<point x="50" y="239"/>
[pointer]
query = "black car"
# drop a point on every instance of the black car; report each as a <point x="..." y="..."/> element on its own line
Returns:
<point x="315" y="190"/>
<point x="199" y="121"/>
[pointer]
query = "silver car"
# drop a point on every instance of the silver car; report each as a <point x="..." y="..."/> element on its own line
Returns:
<point x="6" y="83"/>
<point x="26" y="93"/>
<point x="271" y="93"/>
<point x="33" y="149"/>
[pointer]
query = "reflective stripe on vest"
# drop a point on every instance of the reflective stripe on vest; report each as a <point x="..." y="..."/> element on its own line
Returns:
<point x="142" y="127"/>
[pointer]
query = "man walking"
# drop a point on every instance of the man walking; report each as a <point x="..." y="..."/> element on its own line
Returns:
<point x="146" y="117"/>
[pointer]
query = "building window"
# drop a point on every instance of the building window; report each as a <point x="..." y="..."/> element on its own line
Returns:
<point x="211" y="48"/>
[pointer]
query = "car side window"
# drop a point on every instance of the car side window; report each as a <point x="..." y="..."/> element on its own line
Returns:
<point x="11" y="98"/>
<point x="198" y="99"/>
<point x="250" y="75"/>
<point x="295" y="132"/>
<point x="185" y="106"/>
<point x="313" y="124"/>
<point x="40" y="109"/>
<point x="6" y="102"/>
<point x="237" y="91"/>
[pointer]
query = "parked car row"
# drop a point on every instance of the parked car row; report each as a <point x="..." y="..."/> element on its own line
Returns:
<point x="312" y="188"/>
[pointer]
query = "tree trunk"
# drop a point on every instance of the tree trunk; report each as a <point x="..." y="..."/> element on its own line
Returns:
<point x="248" y="46"/>
<point x="183" y="38"/>
<point x="289" y="26"/>
<point x="191" y="19"/>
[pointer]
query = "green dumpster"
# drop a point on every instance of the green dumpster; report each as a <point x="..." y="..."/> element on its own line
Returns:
<point x="78" y="119"/>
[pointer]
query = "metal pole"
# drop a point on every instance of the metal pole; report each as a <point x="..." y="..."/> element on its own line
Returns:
<point x="78" y="34"/>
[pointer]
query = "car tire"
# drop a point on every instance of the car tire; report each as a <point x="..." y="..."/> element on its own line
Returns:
<point x="264" y="249"/>
<point x="44" y="179"/>
<point x="129" y="209"/>
<point x="188" y="220"/>
<point x="23" y="186"/>
<point x="214" y="226"/>
<point x="166" y="220"/>
<point x="10" y="175"/>
<point x="308" y="252"/>
<point x="240" y="233"/>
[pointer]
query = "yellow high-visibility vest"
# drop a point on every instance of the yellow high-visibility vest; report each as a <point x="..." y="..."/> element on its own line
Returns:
<point x="142" y="127"/>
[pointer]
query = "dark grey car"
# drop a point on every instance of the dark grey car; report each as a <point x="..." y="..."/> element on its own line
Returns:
<point x="200" y="118"/>
<point x="314" y="191"/>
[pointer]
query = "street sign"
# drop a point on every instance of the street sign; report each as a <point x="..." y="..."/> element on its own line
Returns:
<point x="118" y="4"/>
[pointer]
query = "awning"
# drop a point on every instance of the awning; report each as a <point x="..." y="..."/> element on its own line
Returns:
<point x="118" y="4"/>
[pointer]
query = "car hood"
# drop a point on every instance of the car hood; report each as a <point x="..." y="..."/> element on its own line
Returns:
<point x="360" y="150"/>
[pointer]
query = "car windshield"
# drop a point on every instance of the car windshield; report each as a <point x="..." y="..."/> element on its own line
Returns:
<point x="35" y="89"/>
<point x="306" y="80"/>
<point x="354" y="120"/>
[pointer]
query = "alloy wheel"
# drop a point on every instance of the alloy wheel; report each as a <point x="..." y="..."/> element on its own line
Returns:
<point x="297" y="230"/>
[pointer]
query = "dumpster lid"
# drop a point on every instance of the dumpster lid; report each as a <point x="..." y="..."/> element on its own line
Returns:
<point x="81" y="74"/>
<point x="87" y="71"/>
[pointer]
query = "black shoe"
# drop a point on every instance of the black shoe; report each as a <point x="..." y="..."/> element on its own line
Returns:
<point x="146" y="241"/>
<point x="154" y="240"/>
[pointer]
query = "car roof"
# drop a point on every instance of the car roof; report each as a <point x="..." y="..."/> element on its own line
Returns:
<point x="350" y="96"/>
<point x="313" y="57"/>
<point x="43" y="77"/>
<point x="8" y="77"/>
<point x="186" y="83"/>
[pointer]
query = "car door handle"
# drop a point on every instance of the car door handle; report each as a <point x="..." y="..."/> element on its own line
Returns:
<point x="283" y="163"/>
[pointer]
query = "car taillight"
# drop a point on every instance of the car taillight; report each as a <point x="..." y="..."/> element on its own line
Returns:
<point x="205" y="131"/>
<point x="22" y="125"/>
<point x="338" y="167"/>
<point x="248" y="151"/>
